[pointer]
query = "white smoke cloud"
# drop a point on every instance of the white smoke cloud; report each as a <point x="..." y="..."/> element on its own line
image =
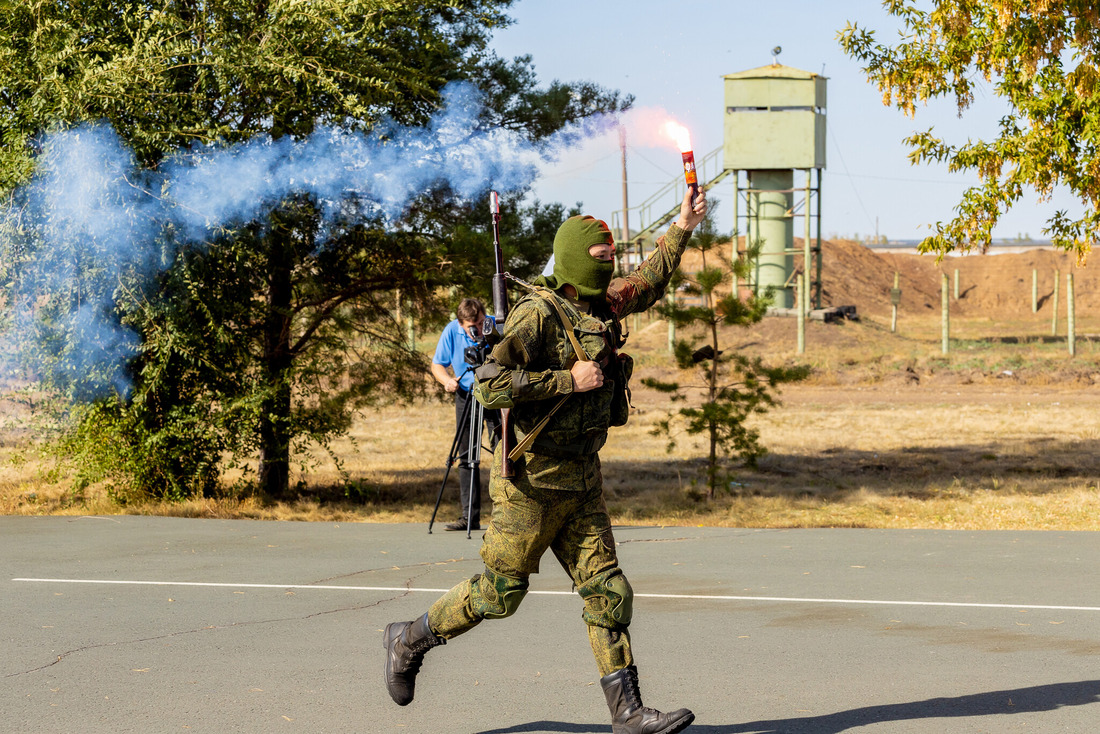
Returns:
<point x="90" y="213"/>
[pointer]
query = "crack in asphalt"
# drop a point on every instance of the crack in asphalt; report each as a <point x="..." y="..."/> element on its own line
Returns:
<point x="217" y="627"/>
<point x="388" y="568"/>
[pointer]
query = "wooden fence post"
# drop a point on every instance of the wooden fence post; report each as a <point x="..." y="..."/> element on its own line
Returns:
<point x="1071" y="327"/>
<point x="801" y="294"/>
<point x="1054" y="300"/>
<point x="944" y="304"/>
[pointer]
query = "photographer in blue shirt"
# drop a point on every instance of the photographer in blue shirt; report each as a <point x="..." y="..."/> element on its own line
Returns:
<point x="452" y="370"/>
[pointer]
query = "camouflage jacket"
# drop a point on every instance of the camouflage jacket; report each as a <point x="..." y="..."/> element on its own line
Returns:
<point x="529" y="371"/>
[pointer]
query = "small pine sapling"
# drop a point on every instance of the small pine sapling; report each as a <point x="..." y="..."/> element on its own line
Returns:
<point x="733" y="386"/>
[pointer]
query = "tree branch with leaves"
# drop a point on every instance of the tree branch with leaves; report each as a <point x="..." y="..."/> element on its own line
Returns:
<point x="1043" y="60"/>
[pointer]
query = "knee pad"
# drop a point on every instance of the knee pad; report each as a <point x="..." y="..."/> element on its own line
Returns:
<point x="495" y="596"/>
<point x="608" y="600"/>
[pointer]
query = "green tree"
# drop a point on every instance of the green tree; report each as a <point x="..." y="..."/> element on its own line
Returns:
<point x="733" y="386"/>
<point x="274" y="330"/>
<point x="1042" y="60"/>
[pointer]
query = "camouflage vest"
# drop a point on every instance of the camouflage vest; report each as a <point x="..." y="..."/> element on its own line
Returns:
<point x="579" y="426"/>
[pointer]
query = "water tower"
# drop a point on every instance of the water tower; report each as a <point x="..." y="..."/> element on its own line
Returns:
<point x="774" y="126"/>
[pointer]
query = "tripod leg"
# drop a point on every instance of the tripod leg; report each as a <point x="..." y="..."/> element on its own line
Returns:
<point x="474" y="464"/>
<point x="450" y="462"/>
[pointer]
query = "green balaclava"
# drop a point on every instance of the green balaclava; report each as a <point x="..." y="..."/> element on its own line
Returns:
<point x="572" y="263"/>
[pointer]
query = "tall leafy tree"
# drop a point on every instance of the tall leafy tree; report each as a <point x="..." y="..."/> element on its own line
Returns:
<point x="1043" y="60"/>
<point x="275" y="329"/>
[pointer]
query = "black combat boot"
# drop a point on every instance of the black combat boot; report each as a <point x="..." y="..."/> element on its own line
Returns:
<point x="406" y="643"/>
<point x="629" y="715"/>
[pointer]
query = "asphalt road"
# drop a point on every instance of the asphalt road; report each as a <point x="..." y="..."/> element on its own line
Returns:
<point x="132" y="624"/>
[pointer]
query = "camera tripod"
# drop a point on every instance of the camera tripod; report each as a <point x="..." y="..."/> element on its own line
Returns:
<point x="472" y="418"/>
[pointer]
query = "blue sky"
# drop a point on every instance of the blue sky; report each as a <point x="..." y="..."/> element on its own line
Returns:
<point x="672" y="56"/>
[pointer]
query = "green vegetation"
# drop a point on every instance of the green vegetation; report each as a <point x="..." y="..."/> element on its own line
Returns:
<point x="1043" y="60"/>
<point x="268" y="337"/>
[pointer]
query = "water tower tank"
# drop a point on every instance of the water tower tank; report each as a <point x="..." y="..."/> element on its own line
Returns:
<point x="774" y="123"/>
<point x="775" y="119"/>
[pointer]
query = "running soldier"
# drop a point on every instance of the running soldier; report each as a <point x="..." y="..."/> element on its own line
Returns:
<point x="559" y="369"/>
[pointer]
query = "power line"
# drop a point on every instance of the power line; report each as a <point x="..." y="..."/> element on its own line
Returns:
<point x="581" y="168"/>
<point x="897" y="178"/>
<point x="836" y="145"/>
<point x="662" y="169"/>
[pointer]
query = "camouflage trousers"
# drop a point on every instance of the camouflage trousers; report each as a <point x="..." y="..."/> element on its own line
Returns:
<point x="527" y="521"/>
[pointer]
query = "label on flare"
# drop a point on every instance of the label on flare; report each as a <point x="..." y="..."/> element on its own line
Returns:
<point x="689" y="168"/>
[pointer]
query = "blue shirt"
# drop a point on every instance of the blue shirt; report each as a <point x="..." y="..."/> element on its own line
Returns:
<point x="451" y="352"/>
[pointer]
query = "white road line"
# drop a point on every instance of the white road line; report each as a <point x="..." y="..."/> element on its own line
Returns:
<point x="709" y="597"/>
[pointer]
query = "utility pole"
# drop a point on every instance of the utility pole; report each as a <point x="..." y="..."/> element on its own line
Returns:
<point x="624" y="240"/>
<point x="626" y="207"/>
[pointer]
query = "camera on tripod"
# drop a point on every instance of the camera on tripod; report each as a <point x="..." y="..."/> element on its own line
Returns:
<point x="485" y="336"/>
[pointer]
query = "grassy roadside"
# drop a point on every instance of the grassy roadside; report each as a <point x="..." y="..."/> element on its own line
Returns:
<point x="888" y="433"/>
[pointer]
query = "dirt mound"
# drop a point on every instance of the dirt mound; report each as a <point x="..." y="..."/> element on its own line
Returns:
<point x="993" y="285"/>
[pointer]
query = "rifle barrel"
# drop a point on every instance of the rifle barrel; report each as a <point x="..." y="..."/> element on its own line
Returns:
<point x="500" y="308"/>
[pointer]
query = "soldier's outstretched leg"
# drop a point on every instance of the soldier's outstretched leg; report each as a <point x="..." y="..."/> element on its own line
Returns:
<point x="630" y="716"/>
<point x="406" y="643"/>
<point x="488" y="595"/>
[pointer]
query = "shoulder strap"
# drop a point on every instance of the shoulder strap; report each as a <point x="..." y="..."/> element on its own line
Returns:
<point x="566" y="322"/>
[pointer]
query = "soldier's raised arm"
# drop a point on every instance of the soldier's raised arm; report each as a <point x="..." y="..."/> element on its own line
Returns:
<point x="645" y="286"/>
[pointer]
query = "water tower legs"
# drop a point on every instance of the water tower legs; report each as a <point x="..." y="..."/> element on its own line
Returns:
<point x="772" y="191"/>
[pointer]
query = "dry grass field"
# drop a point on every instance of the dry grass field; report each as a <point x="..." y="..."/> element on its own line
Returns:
<point x="1003" y="432"/>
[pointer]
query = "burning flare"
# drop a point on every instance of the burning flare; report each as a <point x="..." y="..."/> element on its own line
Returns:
<point x="682" y="138"/>
<point x="679" y="135"/>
